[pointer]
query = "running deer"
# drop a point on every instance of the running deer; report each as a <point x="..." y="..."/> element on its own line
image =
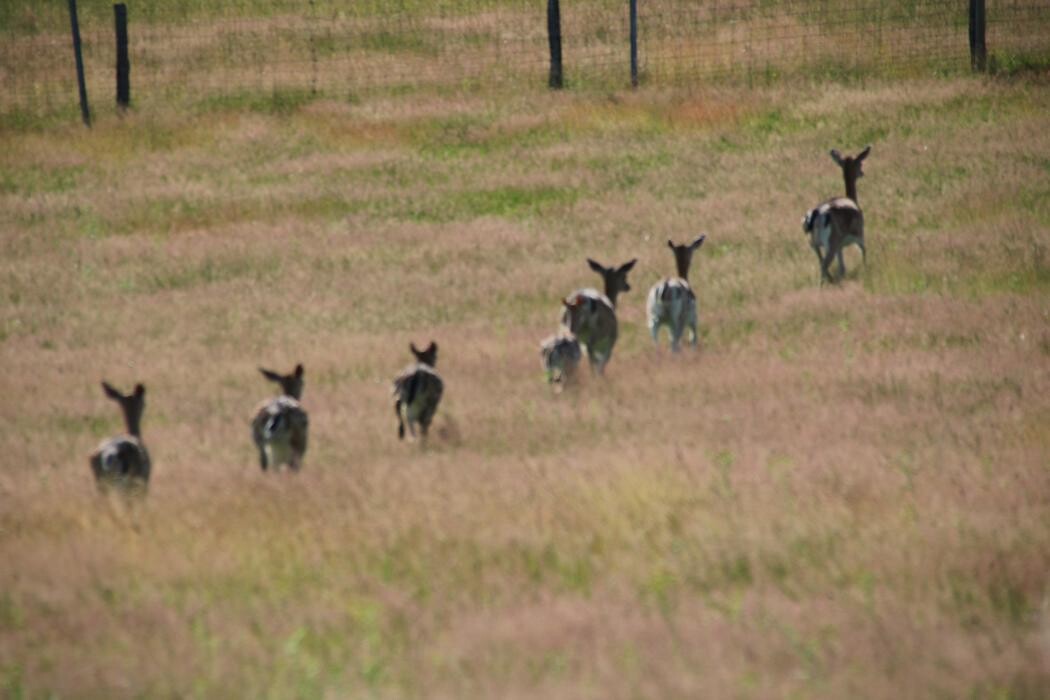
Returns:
<point x="672" y="302"/>
<point x="591" y="315"/>
<point x="839" y="221"/>
<point x="123" y="461"/>
<point x="281" y="426"/>
<point x="417" y="392"/>
<point x="561" y="358"/>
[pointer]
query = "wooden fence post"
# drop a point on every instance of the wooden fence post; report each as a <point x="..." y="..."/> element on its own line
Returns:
<point x="85" y="112"/>
<point x="120" y="17"/>
<point x="554" y="36"/>
<point x="978" y="49"/>
<point x="634" y="43"/>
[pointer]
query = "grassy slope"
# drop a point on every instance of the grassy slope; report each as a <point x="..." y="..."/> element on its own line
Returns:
<point x="844" y="493"/>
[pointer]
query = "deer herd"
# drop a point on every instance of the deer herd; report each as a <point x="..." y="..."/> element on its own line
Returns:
<point x="280" y="425"/>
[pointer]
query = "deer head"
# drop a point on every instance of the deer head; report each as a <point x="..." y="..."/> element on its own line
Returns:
<point x="291" y="384"/>
<point x="427" y="357"/>
<point x="615" y="278"/>
<point x="132" y="405"/>
<point x="683" y="255"/>
<point x="851" y="169"/>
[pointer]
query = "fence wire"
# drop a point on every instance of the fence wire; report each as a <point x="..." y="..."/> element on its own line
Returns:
<point x="200" y="50"/>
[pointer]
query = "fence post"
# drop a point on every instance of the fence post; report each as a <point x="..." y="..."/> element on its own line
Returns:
<point x="554" y="36"/>
<point x="978" y="50"/>
<point x="634" y="43"/>
<point x="85" y="112"/>
<point x="120" y="17"/>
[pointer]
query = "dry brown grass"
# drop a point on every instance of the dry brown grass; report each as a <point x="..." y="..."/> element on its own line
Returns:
<point x="843" y="494"/>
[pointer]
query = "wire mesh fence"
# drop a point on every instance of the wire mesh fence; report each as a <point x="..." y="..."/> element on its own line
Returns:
<point x="198" y="50"/>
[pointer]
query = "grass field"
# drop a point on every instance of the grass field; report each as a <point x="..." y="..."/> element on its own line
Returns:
<point x="844" y="493"/>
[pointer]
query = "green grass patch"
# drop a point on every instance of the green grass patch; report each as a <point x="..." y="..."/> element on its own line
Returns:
<point x="281" y="102"/>
<point x="209" y="271"/>
<point x="34" y="179"/>
<point x="511" y="201"/>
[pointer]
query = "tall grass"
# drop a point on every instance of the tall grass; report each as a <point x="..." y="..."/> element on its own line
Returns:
<point x="842" y="494"/>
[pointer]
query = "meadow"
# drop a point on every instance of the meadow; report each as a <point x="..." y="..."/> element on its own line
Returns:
<point x="844" y="492"/>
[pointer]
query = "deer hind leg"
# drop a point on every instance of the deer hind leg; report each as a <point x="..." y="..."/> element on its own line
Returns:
<point x="425" y="419"/>
<point x="400" y="420"/>
<point x="597" y="362"/>
<point x="825" y="264"/>
<point x="676" y="336"/>
<point x="654" y="328"/>
<point x="820" y="262"/>
<point x="842" y="265"/>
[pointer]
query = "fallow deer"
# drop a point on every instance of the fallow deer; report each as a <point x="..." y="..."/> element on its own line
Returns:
<point x="417" y="392"/>
<point x="281" y="426"/>
<point x="591" y="315"/>
<point x="672" y="302"/>
<point x="561" y="358"/>
<point x="123" y="461"/>
<point x="839" y="221"/>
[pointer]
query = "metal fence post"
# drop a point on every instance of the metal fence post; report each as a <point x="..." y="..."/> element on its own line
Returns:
<point x="120" y="18"/>
<point x="554" y="36"/>
<point x="85" y="112"/>
<point x="978" y="49"/>
<point x="634" y="43"/>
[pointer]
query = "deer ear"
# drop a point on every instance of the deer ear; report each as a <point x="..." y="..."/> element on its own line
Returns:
<point x="299" y="371"/>
<point x="698" y="242"/>
<point x="432" y="347"/>
<point x="111" y="392"/>
<point x="864" y="154"/>
<point x="597" y="266"/>
<point x="626" y="267"/>
<point x="413" y="348"/>
<point x="836" y="156"/>
<point x="140" y="391"/>
<point x="670" y="244"/>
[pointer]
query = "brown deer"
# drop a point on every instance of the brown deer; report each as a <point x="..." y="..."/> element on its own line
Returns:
<point x="838" y="222"/>
<point x="672" y="302"/>
<point x="280" y="427"/>
<point x="417" y="392"/>
<point x="123" y="461"/>
<point x="591" y="315"/>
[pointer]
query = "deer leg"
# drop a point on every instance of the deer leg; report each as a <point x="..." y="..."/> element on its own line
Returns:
<point x="262" y="459"/>
<point x="676" y="336"/>
<point x="597" y="364"/>
<point x="426" y="419"/>
<point x="400" y="420"/>
<point x="842" y="265"/>
<point x="820" y="261"/>
<point x="825" y="264"/>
